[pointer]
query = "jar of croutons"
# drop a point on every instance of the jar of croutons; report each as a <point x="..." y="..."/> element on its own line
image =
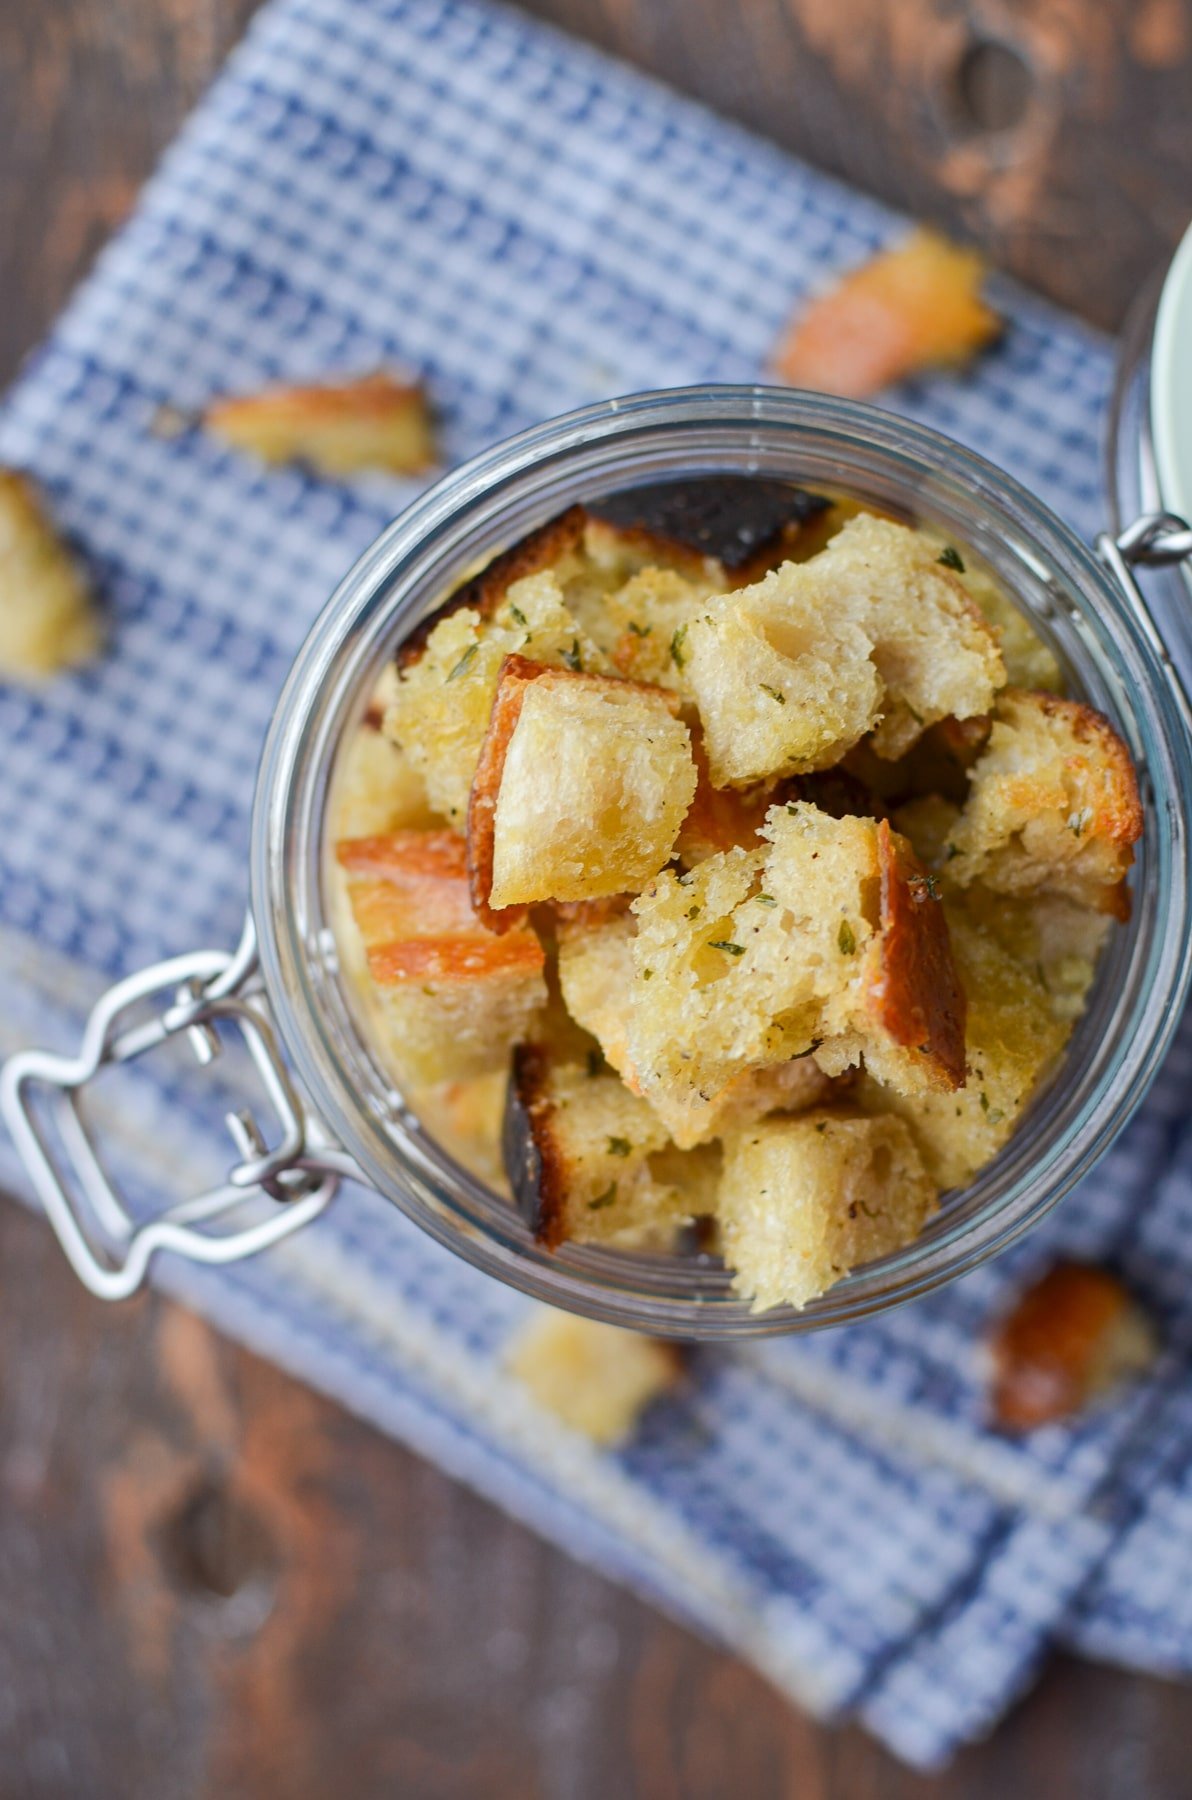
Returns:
<point x="719" y="863"/>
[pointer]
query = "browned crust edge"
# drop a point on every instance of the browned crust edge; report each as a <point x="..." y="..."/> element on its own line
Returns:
<point x="529" y="1150"/>
<point x="516" y="674"/>
<point x="915" y="994"/>
<point x="540" y="549"/>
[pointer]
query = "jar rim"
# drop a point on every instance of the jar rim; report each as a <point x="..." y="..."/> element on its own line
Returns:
<point x="491" y="500"/>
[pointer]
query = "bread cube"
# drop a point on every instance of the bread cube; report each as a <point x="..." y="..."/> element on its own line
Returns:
<point x="555" y="548"/>
<point x="595" y="1379"/>
<point x="452" y="997"/>
<point x="439" y="714"/>
<point x="596" y="981"/>
<point x="1028" y="660"/>
<point x="1075" y="1333"/>
<point x="47" y="621"/>
<point x="827" y="939"/>
<point x="935" y="654"/>
<point x="804" y="1201"/>
<point x="1015" y="1032"/>
<point x="373" y="422"/>
<point x="646" y="621"/>
<point x="914" y="306"/>
<point x="722" y="818"/>
<point x="1053" y="806"/>
<point x="783" y="680"/>
<point x="466" y="1117"/>
<point x="581" y="787"/>
<point x="577" y="1150"/>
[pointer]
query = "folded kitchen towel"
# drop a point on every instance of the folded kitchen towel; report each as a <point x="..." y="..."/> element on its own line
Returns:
<point x="446" y="186"/>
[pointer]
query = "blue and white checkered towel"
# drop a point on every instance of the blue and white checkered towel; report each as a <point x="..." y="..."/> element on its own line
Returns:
<point x="443" y="185"/>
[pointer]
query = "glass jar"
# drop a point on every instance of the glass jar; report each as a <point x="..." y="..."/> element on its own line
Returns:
<point x="351" y="1120"/>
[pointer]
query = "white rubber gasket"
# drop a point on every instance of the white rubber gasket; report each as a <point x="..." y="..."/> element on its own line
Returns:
<point x="1171" y="384"/>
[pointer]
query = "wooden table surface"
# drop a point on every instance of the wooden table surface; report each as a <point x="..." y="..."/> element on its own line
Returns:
<point x="213" y="1582"/>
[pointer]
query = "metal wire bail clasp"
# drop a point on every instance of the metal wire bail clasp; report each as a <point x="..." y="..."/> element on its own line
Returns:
<point x="39" y="1095"/>
<point x="1155" y="540"/>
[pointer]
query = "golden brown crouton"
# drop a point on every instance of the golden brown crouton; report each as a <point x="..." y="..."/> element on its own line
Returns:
<point x="577" y="1147"/>
<point x="873" y="635"/>
<point x="1073" y="1334"/>
<point x="453" y="996"/>
<point x="554" y="548"/>
<point x="373" y="422"/>
<point x="1053" y="806"/>
<point x="465" y="1117"/>
<point x="595" y="1379"/>
<point x="912" y="307"/>
<point x="804" y="1201"/>
<point x="1014" y="1033"/>
<point x="47" y="621"/>
<point x="828" y="938"/>
<point x="580" y="789"/>
<point x="439" y="712"/>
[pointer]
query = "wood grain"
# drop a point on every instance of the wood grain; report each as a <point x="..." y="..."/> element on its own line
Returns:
<point x="214" y="1583"/>
<point x="1053" y="132"/>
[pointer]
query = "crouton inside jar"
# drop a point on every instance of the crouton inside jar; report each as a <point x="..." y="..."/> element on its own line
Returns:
<point x="724" y="863"/>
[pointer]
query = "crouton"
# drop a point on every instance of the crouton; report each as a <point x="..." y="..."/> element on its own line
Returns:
<point x="373" y="422"/>
<point x="728" y="529"/>
<point x="440" y="709"/>
<point x="581" y="787"/>
<point x="873" y="635"/>
<point x="804" y="1201"/>
<point x="595" y="1379"/>
<point x="465" y="1117"/>
<point x="828" y="938"/>
<point x="376" y="790"/>
<point x="1069" y="1338"/>
<point x="47" y="621"/>
<point x="577" y="1147"/>
<point x="1014" y="1034"/>
<point x="783" y="681"/>
<point x="647" y="619"/>
<point x="935" y="654"/>
<point x="915" y="306"/>
<point x="453" y="997"/>
<point x="596" y="976"/>
<point x="1053" y="806"/>
<point x="555" y="548"/>
<point x="1029" y="661"/>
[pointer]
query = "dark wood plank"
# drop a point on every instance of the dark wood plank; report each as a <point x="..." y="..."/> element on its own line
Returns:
<point x="211" y="1581"/>
<point x="1055" y="135"/>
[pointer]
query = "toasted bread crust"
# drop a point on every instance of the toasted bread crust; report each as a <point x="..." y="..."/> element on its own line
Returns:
<point x="1071" y="1333"/>
<point x="517" y="674"/>
<point x="744" y="524"/>
<point x="533" y="1160"/>
<point x="540" y="549"/>
<point x="914" y="993"/>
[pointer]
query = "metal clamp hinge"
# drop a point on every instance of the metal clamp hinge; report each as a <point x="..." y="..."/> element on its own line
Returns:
<point x="1156" y="540"/>
<point x="108" y="1248"/>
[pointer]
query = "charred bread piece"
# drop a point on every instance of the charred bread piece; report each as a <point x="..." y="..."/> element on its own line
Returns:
<point x="439" y="712"/>
<point x="804" y="1201"/>
<point x="594" y="1379"/>
<point x="872" y="636"/>
<point x="551" y="547"/>
<point x="47" y="620"/>
<point x="912" y="307"/>
<point x="453" y="997"/>
<point x="1053" y="806"/>
<point x="1015" y="1029"/>
<point x="374" y="422"/>
<point x="828" y="939"/>
<point x="580" y="789"/>
<point x="577" y="1147"/>
<point x="1073" y="1334"/>
<point x="741" y="525"/>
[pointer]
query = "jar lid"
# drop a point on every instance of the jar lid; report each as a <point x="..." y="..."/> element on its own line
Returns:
<point x="1171" y="384"/>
